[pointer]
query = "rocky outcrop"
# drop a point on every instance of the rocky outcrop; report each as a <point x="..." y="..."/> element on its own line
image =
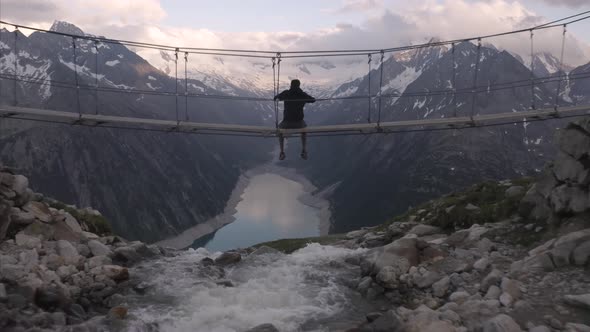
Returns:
<point x="564" y="189"/>
<point x="54" y="273"/>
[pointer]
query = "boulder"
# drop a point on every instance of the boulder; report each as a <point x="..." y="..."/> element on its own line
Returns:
<point x="582" y="301"/>
<point x="459" y="297"/>
<point x="228" y="257"/>
<point x="27" y="241"/>
<point x="400" y="254"/>
<point x="118" y="312"/>
<point x="72" y="223"/>
<point x="98" y="249"/>
<point x="388" y="322"/>
<point x="565" y="245"/>
<point x="50" y="298"/>
<point x="501" y="323"/>
<point x="481" y="264"/>
<point x="69" y="253"/>
<point x="424" y="230"/>
<point x="21" y="217"/>
<point x="427" y="279"/>
<point x="514" y="191"/>
<point x="572" y="327"/>
<point x="97" y="261"/>
<point x="574" y="142"/>
<point x="3" y="293"/>
<point x="115" y="272"/>
<point x="568" y="169"/>
<point x="493" y="293"/>
<point x="20" y="185"/>
<point x="493" y="278"/>
<point x="511" y="287"/>
<point x="581" y="255"/>
<point x="5" y="219"/>
<point x="40" y="210"/>
<point x="440" y="288"/>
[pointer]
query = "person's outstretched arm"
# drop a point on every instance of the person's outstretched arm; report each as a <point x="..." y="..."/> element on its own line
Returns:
<point x="282" y="95"/>
<point x="309" y="99"/>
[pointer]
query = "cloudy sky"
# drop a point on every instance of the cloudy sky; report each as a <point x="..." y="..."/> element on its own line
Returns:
<point x="310" y="24"/>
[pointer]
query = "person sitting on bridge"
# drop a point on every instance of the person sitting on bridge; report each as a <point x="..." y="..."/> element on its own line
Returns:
<point x="294" y="99"/>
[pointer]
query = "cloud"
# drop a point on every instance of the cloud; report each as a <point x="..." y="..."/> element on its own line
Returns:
<point x="566" y="3"/>
<point x="359" y="5"/>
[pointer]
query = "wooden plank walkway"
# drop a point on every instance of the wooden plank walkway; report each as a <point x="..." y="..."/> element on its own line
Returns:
<point x="192" y="127"/>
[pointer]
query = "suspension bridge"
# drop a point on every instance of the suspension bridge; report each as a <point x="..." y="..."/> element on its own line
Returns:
<point x="375" y="100"/>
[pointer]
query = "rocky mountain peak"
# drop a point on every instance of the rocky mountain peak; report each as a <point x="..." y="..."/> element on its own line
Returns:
<point x="66" y="27"/>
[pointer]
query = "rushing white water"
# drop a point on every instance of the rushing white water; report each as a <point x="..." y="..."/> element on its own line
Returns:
<point x="305" y="291"/>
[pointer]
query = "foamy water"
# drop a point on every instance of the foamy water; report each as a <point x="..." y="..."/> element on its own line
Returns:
<point x="305" y="291"/>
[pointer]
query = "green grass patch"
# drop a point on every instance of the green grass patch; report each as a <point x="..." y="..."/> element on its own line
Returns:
<point x="290" y="245"/>
<point x="98" y="225"/>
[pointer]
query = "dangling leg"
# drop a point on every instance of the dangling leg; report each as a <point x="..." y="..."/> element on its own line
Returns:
<point x="282" y="145"/>
<point x="304" y="145"/>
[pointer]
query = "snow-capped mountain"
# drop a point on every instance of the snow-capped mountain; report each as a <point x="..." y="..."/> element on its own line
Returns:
<point x="150" y="185"/>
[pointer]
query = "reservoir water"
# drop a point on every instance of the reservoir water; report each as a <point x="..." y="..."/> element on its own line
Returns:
<point x="270" y="209"/>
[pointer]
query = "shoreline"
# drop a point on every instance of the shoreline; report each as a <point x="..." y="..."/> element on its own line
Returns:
<point x="317" y="200"/>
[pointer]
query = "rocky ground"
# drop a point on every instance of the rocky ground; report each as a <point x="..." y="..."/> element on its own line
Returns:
<point x="498" y="257"/>
<point x="56" y="275"/>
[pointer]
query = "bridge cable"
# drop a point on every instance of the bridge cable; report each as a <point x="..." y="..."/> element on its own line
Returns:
<point x="15" y="63"/>
<point x="186" y="86"/>
<point x="454" y="80"/>
<point x="561" y="72"/>
<point x="76" y="77"/>
<point x="278" y="85"/>
<point x="274" y="87"/>
<point x="96" y="78"/>
<point x="176" y="83"/>
<point x="380" y="91"/>
<point x="532" y="71"/>
<point x="473" y="91"/>
<point x="369" y="92"/>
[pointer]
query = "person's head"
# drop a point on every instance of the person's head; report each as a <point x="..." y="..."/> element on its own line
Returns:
<point x="295" y="84"/>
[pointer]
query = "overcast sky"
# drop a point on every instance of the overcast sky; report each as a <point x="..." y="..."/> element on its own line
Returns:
<point x="308" y="24"/>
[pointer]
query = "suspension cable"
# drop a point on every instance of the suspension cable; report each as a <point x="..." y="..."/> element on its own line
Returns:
<point x="474" y="91"/>
<point x="454" y="80"/>
<point x="561" y="72"/>
<point x="380" y="90"/>
<point x="369" y="91"/>
<point x="76" y="76"/>
<point x="274" y="87"/>
<point x="15" y="63"/>
<point x="96" y="78"/>
<point x="176" y="83"/>
<point x="278" y="86"/>
<point x="532" y="71"/>
<point x="186" y="86"/>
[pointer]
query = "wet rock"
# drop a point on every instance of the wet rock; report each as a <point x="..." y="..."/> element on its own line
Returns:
<point x="115" y="272"/>
<point x="96" y="261"/>
<point x="39" y="210"/>
<point x="388" y="322"/>
<point x="501" y="323"/>
<point x="264" y="328"/>
<point x="119" y="312"/>
<point x="77" y="311"/>
<point x="582" y="301"/>
<point x="126" y="255"/>
<point x="228" y="258"/>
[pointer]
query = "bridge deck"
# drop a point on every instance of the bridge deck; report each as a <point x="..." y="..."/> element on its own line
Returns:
<point x="187" y="126"/>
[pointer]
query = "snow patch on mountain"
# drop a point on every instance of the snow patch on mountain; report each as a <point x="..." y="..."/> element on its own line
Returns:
<point x="112" y="63"/>
<point x="401" y="82"/>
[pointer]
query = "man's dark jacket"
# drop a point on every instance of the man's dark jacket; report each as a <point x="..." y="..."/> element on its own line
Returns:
<point x="294" y="99"/>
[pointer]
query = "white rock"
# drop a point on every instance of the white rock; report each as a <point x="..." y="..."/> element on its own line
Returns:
<point x="511" y="287"/>
<point x="104" y="260"/>
<point x="68" y="252"/>
<point x="423" y="230"/>
<point x="98" y="249"/>
<point x="66" y="271"/>
<point x="40" y="210"/>
<point x="27" y="241"/>
<point x="481" y="264"/>
<point x="90" y="236"/>
<point x="20" y="185"/>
